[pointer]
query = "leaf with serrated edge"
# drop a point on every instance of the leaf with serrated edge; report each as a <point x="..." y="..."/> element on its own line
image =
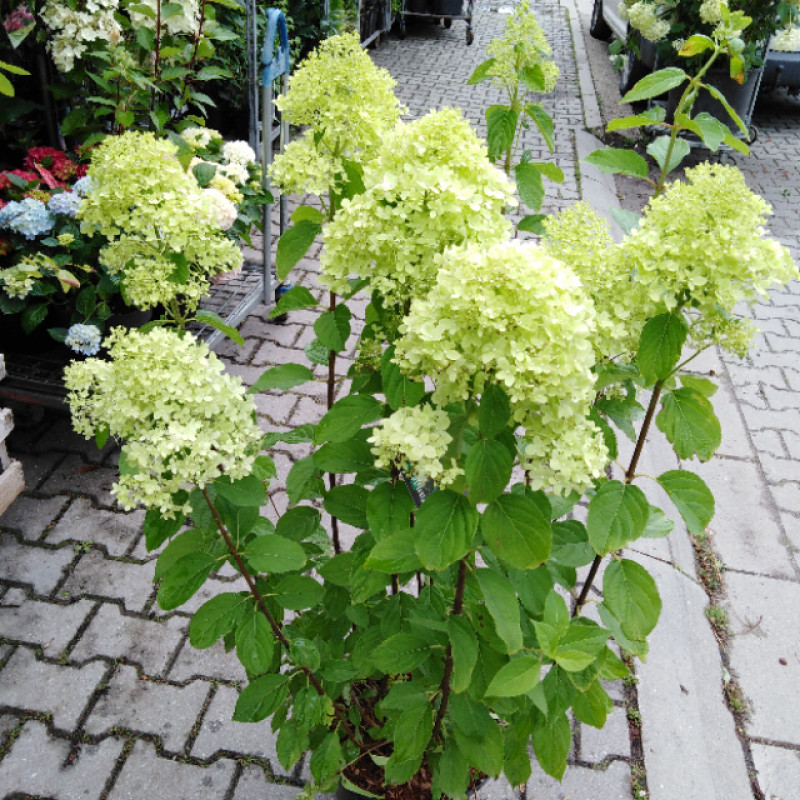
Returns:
<point x="692" y="498"/>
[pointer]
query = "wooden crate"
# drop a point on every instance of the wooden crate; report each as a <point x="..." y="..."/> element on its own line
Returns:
<point x="12" y="480"/>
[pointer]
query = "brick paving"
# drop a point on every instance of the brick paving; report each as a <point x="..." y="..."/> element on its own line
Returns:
<point x="101" y="695"/>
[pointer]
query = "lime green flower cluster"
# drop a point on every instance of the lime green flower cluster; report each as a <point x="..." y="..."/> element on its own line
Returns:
<point x="34" y="271"/>
<point x="414" y="440"/>
<point x="580" y="237"/>
<point x="153" y="213"/>
<point x="512" y="314"/>
<point x="183" y="421"/>
<point x="431" y="186"/>
<point x="348" y="104"/>
<point x="702" y="245"/>
<point x="522" y="45"/>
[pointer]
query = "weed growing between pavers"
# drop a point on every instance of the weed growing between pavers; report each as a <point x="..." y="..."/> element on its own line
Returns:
<point x="439" y="644"/>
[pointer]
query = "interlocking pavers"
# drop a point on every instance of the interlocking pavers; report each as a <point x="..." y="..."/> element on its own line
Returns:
<point x="31" y="516"/>
<point x="612" y="741"/>
<point x="150" y="644"/>
<point x="41" y="568"/>
<point x="73" y="475"/>
<point x="50" y="626"/>
<point x="253" y="784"/>
<point x="95" y="575"/>
<point x="584" y="783"/>
<point x="35" y="765"/>
<point x="212" y="663"/>
<point x="778" y="771"/>
<point x="83" y="523"/>
<point x="147" y="775"/>
<point x="142" y="706"/>
<point x="63" y="691"/>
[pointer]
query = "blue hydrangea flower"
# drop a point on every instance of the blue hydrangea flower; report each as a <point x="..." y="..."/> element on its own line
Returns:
<point x="29" y="217"/>
<point x="83" y="339"/>
<point x="65" y="203"/>
<point x="83" y="186"/>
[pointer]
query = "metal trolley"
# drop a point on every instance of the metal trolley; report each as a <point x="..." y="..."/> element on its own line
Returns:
<point x="445" y="10"/>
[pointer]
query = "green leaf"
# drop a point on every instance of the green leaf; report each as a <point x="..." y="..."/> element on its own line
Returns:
<point x="451" y="778"/>
<point x="353" y="455"/>
<point x="348" y="503"/>
<point x="333" y="328"/>
<point x="615" y="161"/>
<point x="326" y="758"/>
<point x="532" y="223"/>
<point x="412" y="732"/>
<point x="292" y="742"/>
<point x="717" y="95"/>
<point x="696" y="44"/>
<point x="517" y="677"/>
<point x="394" y="554"/>
<point x="481" y="73"/>
<point x="706" y="127"/>
<point x="544" y="122"/>
<point x="494" y="412"/>
<point x="204" y="173"/>
<point x="532" y="78"/>
<point x="337" y="570"/>
<point x="75" y="120"/>
<point x="530" y="185"/>
<point x="692" y="498"/>
<point x="464" y="644"/>
<point x="215" y="321"/>
<point x="248" y="491"/>
<point x="346" y="418"/>
<point x="628" y="646"/>
<point x="272" y="553"/>
<point x="303" y="433"/>
<point x="445" y="525"/>
<point x="296" y="592"/>
<point x="659" y="150"/>
<point x="184" y="578"/>
<point x="617" y="515"/>
<point x="581" y="645"/>
<point x="658" y="526"/>
<point x="593" y="705"/>
<point x="317" y="353"/>
<point x="688" y="420"/>
<point x="660" y="346"/>
<point x="294" y="244"/>
<point x="630" y="594"/>
<point x="389" y="508"/>
<point x="33" y="316"/>
<point x="298" y="297"/>
<point x="650" y="117"/>
<point x="401" y="653"/>
<point x="571" y="547"/>
<point x="501" y="126"/>
<point x="399" y="390"/>
<point x="215" y="618"/>
<point x="488" y="469"/>
<point x="255" y="644"/>
<point x="477" y="734"/>
<point x="623" y="412"/>
<point x="284" y="377"/>
<point x="501" y="601"/>
<point x="551" y="742"/>
<point x="656" y="83"/>
<point x="261" y="698"/>
<point x="517" y="528"/>
<point x="157" y="528"/>
<point x="303" y="481"/>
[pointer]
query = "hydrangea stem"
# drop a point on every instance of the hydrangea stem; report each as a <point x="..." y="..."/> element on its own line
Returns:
<point x="337" y="547"/>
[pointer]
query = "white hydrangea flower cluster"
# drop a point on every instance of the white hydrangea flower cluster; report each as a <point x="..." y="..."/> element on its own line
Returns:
<point x="151" y="209"/>
<point x="223" y="211"/>
<point x="711" y="11"/>
<point x="414" y="440"/>
<point x="787" y="40"/>
<point x="72" y="30"/>
<point x="238" y="152"/>
<point x="645" y="18"/>
<point x="581" y="238"/>
<point x="431" y="186"/>
<point x="349" y="104"/>
<point x="510" y="313"/>
<point x="197" y="138"/>
<point x="187" y="21"/>
<point x="523" y="44"/>
<point x="184" y="422"/>
<point x="702" y="244"/>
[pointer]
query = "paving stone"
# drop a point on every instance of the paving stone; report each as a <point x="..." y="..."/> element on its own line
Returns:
<point x="148" y="707"/>
<point x="582" y="783"/>
<point x="612" y="740"/>
<point x="498" y="789"/>
<point x="735" y="437"/>
<point x="31" y="516"/>
<point x="34" y="766"/>
<point x="83" y="523"/>
<point x="8" y="723"/>
<point x="779" y="470"/>
<point x="213" y="663"/>
<point x="744" y="533"/>
<point x="276" y="408"/>
<point x="26" y="683"/>
<point x="146" y="774"/>
<point x="307" y="411"/>
<point x="219" y="733"/>
<point x="253" y="784"/>
<point x="148" y="643"/>
<point x="787" y="497"/>
<point x="50" y="626"/>
<point x="40" y="567"/>
<point x="74" y="476"/>
<point x="778" y="771"/>
<point x="771" y="442"/>
<point x="98" y="576"/>
<point x="764" y="629"/>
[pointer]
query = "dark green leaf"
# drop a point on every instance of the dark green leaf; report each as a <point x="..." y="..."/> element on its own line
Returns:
<point x="412" y="731"/>
<point x="615" y="161"/>
<point x="401" y="653"/>
<point x="544" y="122"/>
<point x="501" y="601"/>
<point x="593" y="705"/>
<point x="617" y="515"/>
<point x="215" y="321"/>
<point x="571" y="546"/>
<point x="692" y="498"/>
<point x="285" y="376"/>
<point x="348" y="504"/>
<point x="656" y="83"/>
<point x="494" y="412"/>
<point x="660" y="346"/>
<point x="630" y="594"/>
<point x="530" y="185"/>
<point x="444" y="529"/>
<point x="255" y="644"/>
<point x="501" y="126"/>
<point x="292" y="742"/>
<point x="399" y="390"/>
<point x="326" y="758"/>
<point x="551" y="742"/>
<point x="488" y="469"/>
<point x="339" y="457"/>
<point x="298" y="297"/>
<point x="688" y="420"/>
<point x="346" y="417"/>
<point x="481" y="72"/>
<point x="272" y="553"/>
<point x="464" y="644"/>
<point x="532" y="223"/>
<point x="204" y="173"/>
<point x="389" y="508"/>
<point x="215" y="618"/>
<point x="303" y="481"/>
<point x="260" y="698"/>
<point x="517" y="528"/>
<point x="184" y="578"/>
<point x="333" y="328"/>
<point x="247" y="491"/>
<point x="157" y="528"/>
<point x="517" y="677"/>
<point x="294" y="244"/>
<point x="297" y="592"/>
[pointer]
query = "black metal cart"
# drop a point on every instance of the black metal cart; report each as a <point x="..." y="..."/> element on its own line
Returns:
<point x="445" y="10"/>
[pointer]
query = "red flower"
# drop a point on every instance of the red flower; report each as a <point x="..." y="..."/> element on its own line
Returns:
<point x="5" y="183"/>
